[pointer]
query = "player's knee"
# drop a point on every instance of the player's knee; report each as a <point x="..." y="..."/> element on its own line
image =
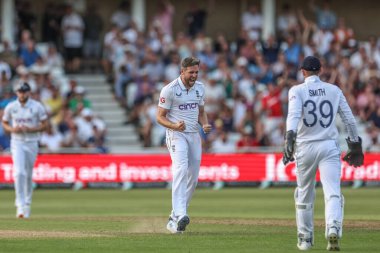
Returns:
<point x="303" y="197"/>
<point x="18" y="173"/>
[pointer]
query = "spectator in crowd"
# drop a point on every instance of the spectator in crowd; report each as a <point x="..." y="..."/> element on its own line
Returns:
<point x="5" y="70"/>
<point x="144" y="94"/>
<point x="9" y="55"/>
<point x="121" y="17"/>
<point x="270" y="49"/>
<point x="51" y="140"/>
<point x="223" y="144"/>
<point x="79" y="101"/>
<point x="68" y="129"/>
<point x="72" y="28"/>
<point x="326" y="18"/>
<point x="164" y="17"/>
<point x="247" y="142"/>
<point x="252" y="22"/>
<point x="287" y="21"/>
<point x="6" y="95"/>
<point x="342" y="33"/>
<point x="29" y="54"/>
<point x="172" y="69"/>
<point x="91" y="131"/>
<point x="152" y="133"/>
<point x="51" y="21"/>
<point x="216" y="95"/>
<point x="4" y="83"/>
<point x="54" y="106"/>
<point x="110" y="39"/>
<point x="195" y="19"/>
<point x="70" y="93"/>
<point x="92" y="43"/>
<point x="272" y="107"/>
<point x="292" y="50"/>
<point x="26" y="18"/>
<point x="5" y="140"/>
<point x="53" y="58"/>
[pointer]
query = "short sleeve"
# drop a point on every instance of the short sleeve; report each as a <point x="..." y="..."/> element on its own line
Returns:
<point x="42" y="115"/>
<point x="294" y="109"/>
<point x="203" y="97"/>
<point x="166" y="98"/>
<point x="7" y="114"/>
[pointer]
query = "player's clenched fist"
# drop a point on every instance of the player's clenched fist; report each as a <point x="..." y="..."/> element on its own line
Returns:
<point x="206" y="128"/>
<point x="180" y="126"/>
<point x="18" y="129"/>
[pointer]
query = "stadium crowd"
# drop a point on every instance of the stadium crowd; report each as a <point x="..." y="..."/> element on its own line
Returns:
<point x="247" y="79"/>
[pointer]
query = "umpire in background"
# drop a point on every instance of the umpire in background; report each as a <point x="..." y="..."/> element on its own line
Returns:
<point x="312" y="140"/>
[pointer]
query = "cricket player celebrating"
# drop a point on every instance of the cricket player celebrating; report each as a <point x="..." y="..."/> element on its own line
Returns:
<point x="181" y="110"/>
<point x="311" y="139"/>
<point x="24" y="118"/>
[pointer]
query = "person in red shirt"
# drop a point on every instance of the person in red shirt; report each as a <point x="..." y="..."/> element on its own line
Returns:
<point x="272" y="107"/>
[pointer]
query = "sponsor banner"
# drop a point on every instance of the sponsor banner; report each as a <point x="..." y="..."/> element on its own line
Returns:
<point x="157" y="168"/>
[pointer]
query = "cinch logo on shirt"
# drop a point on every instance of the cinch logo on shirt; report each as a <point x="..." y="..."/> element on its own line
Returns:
<point x="21" y="121"/>
<point x="189" y="106"/>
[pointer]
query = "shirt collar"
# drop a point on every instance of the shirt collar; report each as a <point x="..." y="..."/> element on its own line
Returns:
<point x="26" y="104"/>
<point x="182" y="85"/>
<point x="312" y="79"/>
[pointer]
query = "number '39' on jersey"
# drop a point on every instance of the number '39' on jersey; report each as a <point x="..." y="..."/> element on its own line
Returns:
<point x="313" y="106"/>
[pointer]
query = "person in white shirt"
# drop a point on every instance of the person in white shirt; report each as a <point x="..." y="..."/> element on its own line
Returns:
<point x="52" y="140"/>
<point x="73" y="28"/>
<point x="121" y="17"/>
<point x="252" y="22"/>
<point x="24" y="118"/>
<point x="181" y="110"/>
<point x="312" y="140"/>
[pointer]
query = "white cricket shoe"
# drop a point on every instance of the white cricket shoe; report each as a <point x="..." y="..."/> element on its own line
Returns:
<point x="304" y="244"/>
<point x="20" y="212"/>
<point x="172" y="226"/>
<point x="333" y="239"/>
<point x="27" y="211"/>
<point x="183" y="221"/>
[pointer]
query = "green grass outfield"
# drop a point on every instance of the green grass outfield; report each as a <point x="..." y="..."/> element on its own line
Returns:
<point x="229" y="220"/>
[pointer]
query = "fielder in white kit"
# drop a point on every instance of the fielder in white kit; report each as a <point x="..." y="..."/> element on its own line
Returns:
<point x="312" y="138"/>
<point x="24" y="118"/>
<point x="181" y="110"/>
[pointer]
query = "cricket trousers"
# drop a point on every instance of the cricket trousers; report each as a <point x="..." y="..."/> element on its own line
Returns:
<point x="23" y="155"/>
<point x="324" y="155"/>
<point x="185" y="152"/>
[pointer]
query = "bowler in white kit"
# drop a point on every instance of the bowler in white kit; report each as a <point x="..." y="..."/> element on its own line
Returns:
<point x="312" y="140"/>
<point x="24" y="118"/>
<point x="181" y="110"/>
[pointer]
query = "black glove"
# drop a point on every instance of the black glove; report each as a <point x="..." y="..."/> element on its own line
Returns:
<point x="290" y="140"/>
<point x="354" y="154"/>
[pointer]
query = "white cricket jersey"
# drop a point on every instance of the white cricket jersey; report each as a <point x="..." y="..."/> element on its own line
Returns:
<point x="183" y="104"/>
<point x="29" y="115"/>
<point x="313" y="106"/>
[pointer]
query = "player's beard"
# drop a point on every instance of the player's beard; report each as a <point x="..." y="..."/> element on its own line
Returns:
<point x="23" y="99"/>
<point x="190" y="81"/>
